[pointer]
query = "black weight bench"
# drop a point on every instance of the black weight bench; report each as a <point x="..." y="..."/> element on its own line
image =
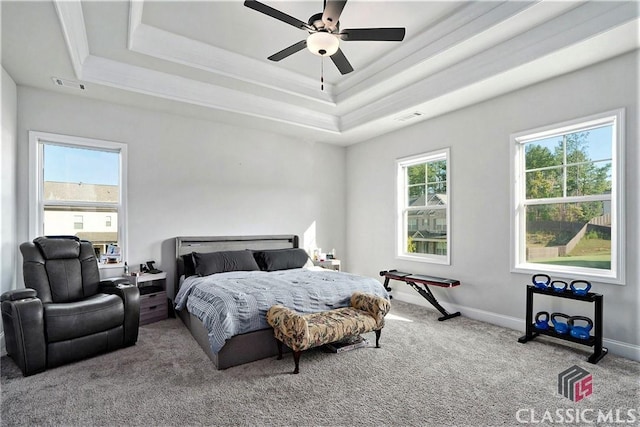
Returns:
<point x="415" y="280"/>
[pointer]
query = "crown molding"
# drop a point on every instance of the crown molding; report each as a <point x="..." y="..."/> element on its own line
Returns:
<point x="452" y="39"/>
<point x="621" y="40"/>
<point x="94" y="69"/>
<point x="165" y="45"/>
<point x="135" y="19"/>
<point x="75" y="34"/>
<point x="569" y="29"/>
<point x="456" y="55"/>
<point x="150" y="82"/>
<point x="357" y="89"/>
<point x="460" y="25"/>
<point x="158" y="43"/>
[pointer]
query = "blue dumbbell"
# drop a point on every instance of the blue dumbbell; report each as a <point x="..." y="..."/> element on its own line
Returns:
<point x="580" y="332"/>
<point x="542" y="320"/>
<point x="541" y="285"/>
<point x="560" y="327"/>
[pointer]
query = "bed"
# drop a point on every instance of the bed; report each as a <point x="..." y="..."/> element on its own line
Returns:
<point x="225" y="311"/>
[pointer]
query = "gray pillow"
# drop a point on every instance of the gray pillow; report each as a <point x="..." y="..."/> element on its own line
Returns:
<point x="189" y="266"/>
<point x="281" y="259"/>
<point x="224" y="261"/>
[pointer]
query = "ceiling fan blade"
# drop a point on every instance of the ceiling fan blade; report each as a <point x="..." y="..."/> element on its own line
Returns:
<point x="341" y="62"/>
<point x="274" y="13"/>
<point x="373" y="34"/>
<point x="331" y="13"/>
<point x="288" y="51"/>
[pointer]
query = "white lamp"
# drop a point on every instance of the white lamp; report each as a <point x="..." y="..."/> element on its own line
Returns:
<point x="323" y="43"/>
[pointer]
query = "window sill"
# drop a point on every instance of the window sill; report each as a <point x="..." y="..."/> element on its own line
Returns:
<point x="567" y="274"/>
<point x="434" y="259"/>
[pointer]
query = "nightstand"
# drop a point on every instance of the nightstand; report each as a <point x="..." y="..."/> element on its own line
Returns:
<point x="153" y="296"/>
<point x="330" y="264"/>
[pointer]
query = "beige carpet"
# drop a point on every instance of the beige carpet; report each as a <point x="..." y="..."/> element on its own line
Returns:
<point x="427" y="373"/>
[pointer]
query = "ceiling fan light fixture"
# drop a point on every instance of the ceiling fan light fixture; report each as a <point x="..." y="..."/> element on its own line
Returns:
<point x="323" y="43"/>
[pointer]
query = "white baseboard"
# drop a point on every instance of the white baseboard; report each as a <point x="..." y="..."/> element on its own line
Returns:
<point x="623" y="349"/>
<point x="619" y="348"/>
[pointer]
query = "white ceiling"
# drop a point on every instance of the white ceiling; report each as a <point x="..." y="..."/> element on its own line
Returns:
<point x="208" y="58"/>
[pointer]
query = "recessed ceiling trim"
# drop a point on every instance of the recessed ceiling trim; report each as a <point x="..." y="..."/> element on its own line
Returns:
<point x="432" y="83"/>
<point x="444" y="44"/>
<point x="616" y="42"/>
<point x="75" y="34"/>
<point x="135" y="19"/>
<point x="568" y="29"/>
<point x="461" y="24"/>
<point x="150" y="82"/>
<point x="173" y="47"/>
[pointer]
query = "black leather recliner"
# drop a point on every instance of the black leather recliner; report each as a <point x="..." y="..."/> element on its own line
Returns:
<point x="65" y="313"/>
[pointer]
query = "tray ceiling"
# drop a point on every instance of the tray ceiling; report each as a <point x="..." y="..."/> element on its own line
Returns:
<point x="208" y="58"/>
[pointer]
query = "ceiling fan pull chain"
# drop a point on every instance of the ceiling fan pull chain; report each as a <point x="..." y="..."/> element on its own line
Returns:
<point x="322" y="73"/>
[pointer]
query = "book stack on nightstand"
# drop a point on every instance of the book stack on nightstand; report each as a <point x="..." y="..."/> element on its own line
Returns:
<point x="153" y="297"/>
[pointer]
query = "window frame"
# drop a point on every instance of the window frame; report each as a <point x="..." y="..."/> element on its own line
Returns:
<point x="519" y="264"/>
<point x="401" y="206"/>
<point x="37" y="140"/>
<point x="78" y="225"/>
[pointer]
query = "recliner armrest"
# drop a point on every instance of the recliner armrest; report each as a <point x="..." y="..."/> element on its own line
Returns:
<point x="130" y="295"/>
<point x="23" y="322"/>
<point x="18" y="294"/>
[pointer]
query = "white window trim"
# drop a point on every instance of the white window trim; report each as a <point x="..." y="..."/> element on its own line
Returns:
<point x="444" y="153"/>
<point x="36" y="150"/>
<point x="518" y="245"/>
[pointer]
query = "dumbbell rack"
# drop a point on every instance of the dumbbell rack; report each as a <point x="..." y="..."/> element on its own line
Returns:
<point x="594" y="341"/>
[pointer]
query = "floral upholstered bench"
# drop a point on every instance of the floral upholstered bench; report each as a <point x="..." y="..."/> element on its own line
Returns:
<point x="303" y="331"/>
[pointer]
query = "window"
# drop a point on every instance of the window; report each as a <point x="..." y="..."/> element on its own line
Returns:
<point x="423" y="215"/>
<point x="74" y="183"/>
<point x="568" y="193"/>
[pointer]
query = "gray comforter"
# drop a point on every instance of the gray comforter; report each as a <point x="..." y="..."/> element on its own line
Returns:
<point x="234" y="303"/>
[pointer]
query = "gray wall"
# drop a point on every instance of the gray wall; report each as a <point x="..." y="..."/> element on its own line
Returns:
<point x="194" y="177"/>
<point x="8" y="239"/>
<point x="480" y="177"/>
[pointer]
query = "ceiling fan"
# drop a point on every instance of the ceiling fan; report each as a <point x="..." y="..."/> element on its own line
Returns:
<point x="324" y="32"/>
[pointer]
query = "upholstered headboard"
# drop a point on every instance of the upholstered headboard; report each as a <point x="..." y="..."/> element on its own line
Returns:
<point x="186" y="245"/>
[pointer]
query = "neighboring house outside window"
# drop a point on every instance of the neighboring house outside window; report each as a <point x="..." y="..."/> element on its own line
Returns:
<point x="568" y="195"/>
<point x="423" y="208"/>
<point x="74" y="183"/>
<point x="77" y="222"/>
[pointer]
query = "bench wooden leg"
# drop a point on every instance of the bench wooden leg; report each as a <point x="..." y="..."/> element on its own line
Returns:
<point x="279" y="349"/>
<point x="378" y="333"/>
<point x="296" y="359"/>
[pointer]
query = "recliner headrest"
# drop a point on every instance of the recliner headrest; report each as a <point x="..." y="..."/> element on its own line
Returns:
<point x="58" y="248"/>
